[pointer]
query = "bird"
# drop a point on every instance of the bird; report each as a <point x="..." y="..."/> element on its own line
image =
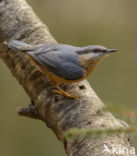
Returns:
<point x="62" y="63"/>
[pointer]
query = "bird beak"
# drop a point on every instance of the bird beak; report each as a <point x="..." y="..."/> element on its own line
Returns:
<point x="111" y="50"/>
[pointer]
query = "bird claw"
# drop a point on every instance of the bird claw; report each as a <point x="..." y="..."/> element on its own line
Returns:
<point x="65" y="94"/>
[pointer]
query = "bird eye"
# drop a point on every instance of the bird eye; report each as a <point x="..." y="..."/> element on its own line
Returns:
<point x="96" y="50"/>
<point x="99" y="50"/>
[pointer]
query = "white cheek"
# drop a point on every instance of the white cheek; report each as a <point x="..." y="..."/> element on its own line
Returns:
<point x="97" y="55"/>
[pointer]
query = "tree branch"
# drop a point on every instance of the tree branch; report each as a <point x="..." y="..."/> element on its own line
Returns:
<point x="17" y="21"/>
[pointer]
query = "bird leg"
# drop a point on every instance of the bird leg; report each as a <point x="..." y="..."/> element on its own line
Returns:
<point x="62" y="92"/>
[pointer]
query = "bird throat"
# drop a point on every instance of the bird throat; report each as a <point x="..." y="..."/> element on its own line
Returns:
<point x="89" y="65"/>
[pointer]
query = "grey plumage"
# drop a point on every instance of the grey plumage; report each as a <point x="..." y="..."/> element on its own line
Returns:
<point x="60" y="59"/>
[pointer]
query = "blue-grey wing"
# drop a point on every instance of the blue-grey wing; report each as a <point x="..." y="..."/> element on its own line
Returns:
<point x="61" y="62"/>
<point x="58" y="58"/>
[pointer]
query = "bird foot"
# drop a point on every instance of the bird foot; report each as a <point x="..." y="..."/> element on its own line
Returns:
<point x="65" y="94"/>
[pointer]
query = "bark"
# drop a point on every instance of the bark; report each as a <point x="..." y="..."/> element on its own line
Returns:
<point x="18" y="21"/>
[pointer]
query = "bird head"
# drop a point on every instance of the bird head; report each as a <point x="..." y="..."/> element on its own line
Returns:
<point x="90" y="56"/>
<point x="95" y="51"/>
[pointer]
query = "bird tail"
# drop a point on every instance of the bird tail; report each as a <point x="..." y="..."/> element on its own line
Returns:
<point x="14" y="44"/>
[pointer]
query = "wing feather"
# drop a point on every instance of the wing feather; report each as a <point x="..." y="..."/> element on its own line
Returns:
<point x="62" y="63"/>
<point x="60" y="59"/>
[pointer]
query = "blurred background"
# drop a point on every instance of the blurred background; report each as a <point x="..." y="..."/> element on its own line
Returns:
<point x="77" y="22"/>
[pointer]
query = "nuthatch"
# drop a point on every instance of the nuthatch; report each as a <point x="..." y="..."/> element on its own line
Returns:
<point x="63" y="63"/>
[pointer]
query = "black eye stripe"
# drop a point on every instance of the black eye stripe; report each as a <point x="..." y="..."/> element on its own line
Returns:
<point x="86" y="51"/>
<point x="83" y="52"/>
<point x="99" y="50"/>
<point x="96" y="51"/>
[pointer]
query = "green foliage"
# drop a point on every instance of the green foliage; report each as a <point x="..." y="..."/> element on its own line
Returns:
<point x="76" y="133"/>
